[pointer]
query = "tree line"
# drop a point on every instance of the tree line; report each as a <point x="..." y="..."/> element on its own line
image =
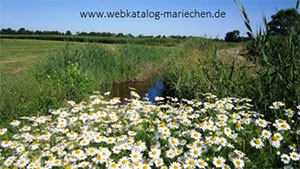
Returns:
<point x="284" y="22"/>
<point x="23" y="31"/>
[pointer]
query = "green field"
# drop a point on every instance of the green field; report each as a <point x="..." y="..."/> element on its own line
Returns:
<point x="18" y="54"/>
<point x="37" y="75"/>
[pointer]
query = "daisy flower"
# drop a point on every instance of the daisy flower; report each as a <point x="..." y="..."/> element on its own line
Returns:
<point x="15" y="123"/>
<point x="283" y="126"/>
<point x="170" y="153"/>
<point x="285" y="158"/>
<point x="112" y="165"/>
<point x="154" y="153"/>
<point x="124" y="162"/>
<point x="136" y="156"/>
<point x="92" y="151"/>
<point x="140" y="146"/>
<point x="77" y="153"/>
<point x="84" y="142"/>
<point x="83" y="164"/>
<point x="294" y="156"/>
<point x="278" y="104"/>
<point x="238" y="163"/>
<point x="173" y="141"/>
<point x="22" y="162"/>
<point x="261" y="123"/>
<point x="159" y="162"/>
<point x="190" y="163"/>
<point x="195" y="135"/>
<point x="137" y="165"/>
<point x="98" y="159"/>
<point x="265" y="134"/>
<point x="3" y="131"/>
<point x="219" y="162"/>
<point x="195" y="152"/>
<point x="201" y="163"/>
<point x="175" y="165"/>
<point x="257" y="143"/>
<point x="9" y="161"/>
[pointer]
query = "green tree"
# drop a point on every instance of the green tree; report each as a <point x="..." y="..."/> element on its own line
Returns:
<point x="68" y="32"/>
<point x="285" y="22"/>
<point x="233" y="36"/>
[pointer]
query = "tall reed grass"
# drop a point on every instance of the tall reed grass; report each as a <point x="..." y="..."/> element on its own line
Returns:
<point x="278" y="60"/>
<point x="271" y="72"/>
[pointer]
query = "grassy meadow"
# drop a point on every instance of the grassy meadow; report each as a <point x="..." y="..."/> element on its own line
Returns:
<point x="38" y="75"/>
<point x="17" y="55"/>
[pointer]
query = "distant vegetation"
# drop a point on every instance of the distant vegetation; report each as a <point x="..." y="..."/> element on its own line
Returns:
<point x="95" y="39"/>
<point x="23" y="31"/>
<point x="234" y="36"/>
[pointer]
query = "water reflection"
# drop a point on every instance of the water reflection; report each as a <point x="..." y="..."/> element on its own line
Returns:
<point x="151" y="88"/>
<point x="156" y="90"/>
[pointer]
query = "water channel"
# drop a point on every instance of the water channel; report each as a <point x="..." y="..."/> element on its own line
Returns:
<point x="148" y="88"/>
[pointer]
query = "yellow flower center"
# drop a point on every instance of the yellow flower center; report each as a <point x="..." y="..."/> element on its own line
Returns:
<point x="77" y="151"/>
<point x="192" y="162"/>
<point x="275" y="138"/>
<point x="114" y="165"/>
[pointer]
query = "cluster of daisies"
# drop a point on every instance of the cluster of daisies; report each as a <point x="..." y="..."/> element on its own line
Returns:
<point x="187" y="134"/>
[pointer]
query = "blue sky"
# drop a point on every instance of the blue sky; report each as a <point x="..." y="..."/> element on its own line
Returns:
<point x="64" y="15"/>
